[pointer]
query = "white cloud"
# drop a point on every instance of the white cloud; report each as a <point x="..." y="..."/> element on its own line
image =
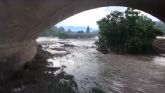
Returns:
<point x="87" y="18"/>
<point x="90" y="17"/>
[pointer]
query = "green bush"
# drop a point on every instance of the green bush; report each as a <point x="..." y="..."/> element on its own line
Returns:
<point x="127" y="32"/>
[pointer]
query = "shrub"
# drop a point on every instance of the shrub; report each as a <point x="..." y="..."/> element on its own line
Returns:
<point x="127" y="32"/>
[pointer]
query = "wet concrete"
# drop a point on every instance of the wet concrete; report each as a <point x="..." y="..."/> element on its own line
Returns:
<point x="110" y="73"/>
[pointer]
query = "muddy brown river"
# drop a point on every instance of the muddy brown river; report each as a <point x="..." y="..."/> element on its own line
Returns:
<point x="109" y="73"/>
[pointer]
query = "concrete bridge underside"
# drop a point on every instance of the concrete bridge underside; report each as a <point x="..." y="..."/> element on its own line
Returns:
<point x="22" y="21"/>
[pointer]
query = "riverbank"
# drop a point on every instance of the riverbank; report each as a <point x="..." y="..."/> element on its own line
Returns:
<point x="38" y="76"/>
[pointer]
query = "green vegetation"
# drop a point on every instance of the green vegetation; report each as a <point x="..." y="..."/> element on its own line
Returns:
<point x="160" y="25"/>
<point x="126" y="32"/>
<point x="61" y="33"/>
<point x="88" y="30"/>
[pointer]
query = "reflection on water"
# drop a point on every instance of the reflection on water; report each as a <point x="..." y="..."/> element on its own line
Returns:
<point x="110" y="73"/>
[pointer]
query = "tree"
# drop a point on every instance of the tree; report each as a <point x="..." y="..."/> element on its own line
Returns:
<point x="69" y="31"/>
<point x="61" y="33"/>
<point x="80" y="32"/>
<point x="88" y="29"/>
<point x="61" y="29"/>
<point x="51" y="32"/>
<point x="126" y="32"/>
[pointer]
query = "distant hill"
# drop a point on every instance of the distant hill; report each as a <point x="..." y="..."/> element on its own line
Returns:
<point x="78" y="28"/>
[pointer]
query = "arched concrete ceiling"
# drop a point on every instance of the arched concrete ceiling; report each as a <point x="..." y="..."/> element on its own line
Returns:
<point x="22" y="20"/>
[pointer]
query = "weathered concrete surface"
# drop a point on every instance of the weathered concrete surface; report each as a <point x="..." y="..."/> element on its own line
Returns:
<point x="22" y="21"/>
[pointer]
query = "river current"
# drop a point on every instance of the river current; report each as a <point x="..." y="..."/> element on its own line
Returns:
<point x="109" y="73"/>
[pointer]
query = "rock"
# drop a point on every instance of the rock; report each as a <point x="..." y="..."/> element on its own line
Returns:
<point x="69" y="45"/>
<point x="61" y="54"/>
<point x="36" y="75"/>
<point x="93" y="47"/>
<point x="58" y="49"/>
<point x="62" y="42"/>
<point x="42" y="53"/>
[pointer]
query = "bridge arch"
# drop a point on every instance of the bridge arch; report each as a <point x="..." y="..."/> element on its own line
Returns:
<point x="22" y="21"/>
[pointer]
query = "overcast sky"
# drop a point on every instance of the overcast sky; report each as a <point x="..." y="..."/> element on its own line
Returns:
<point x="89" y="18"/>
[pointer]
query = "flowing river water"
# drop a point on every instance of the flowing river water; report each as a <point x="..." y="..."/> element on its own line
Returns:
<point x="108" y="73"/>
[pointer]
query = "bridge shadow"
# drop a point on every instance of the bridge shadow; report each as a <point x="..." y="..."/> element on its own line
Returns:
<point x="38" y="76"/>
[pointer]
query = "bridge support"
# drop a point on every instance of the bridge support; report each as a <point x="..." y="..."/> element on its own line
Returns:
<point x="13" y="56"/>
<point x="22" y="21"/>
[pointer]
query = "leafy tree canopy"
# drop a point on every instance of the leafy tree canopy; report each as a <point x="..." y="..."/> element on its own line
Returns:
<point x="126" y="32"/>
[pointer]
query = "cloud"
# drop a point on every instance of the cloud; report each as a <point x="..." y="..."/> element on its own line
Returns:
<point x="87" y="18"/>
<point x="90" y="17"/>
